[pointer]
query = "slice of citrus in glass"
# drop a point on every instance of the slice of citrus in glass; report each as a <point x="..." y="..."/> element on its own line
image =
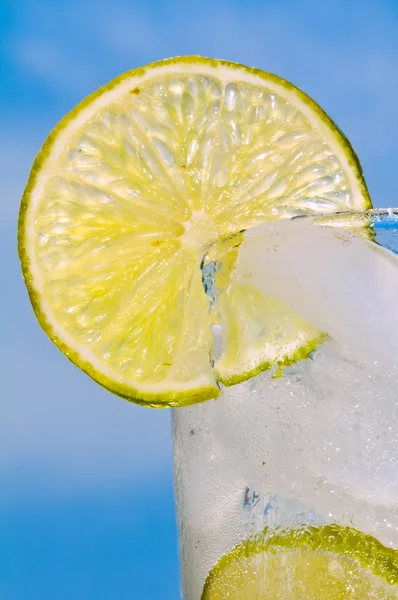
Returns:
<point x="317" y="563"/>
<point x="134" y="186"/>
<point x="253" y="331"/>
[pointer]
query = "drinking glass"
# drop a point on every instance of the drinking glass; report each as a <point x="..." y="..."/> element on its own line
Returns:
<point x="314" y="442"/>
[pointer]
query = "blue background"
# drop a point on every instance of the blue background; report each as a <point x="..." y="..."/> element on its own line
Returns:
<point x="86" y="502"/>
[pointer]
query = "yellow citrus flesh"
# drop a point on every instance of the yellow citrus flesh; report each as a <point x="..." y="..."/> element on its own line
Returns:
<point x="318" y="563"/>
<point x="136" y="185"/>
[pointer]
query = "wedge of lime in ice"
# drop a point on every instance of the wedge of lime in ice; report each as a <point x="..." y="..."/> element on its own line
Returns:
<point x="255" y="331"/>
<point x="133" y="188"/>
<point x="324" y="563"/>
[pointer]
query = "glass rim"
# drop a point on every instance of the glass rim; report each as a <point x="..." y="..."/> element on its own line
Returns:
<point x="353" y="218"/>
<point x="371" y="212"/>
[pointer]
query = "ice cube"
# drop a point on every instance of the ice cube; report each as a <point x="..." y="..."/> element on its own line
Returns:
<point x="344" y="284"/>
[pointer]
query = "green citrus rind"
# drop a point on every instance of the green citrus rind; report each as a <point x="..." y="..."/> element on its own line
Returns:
<point x="301" y="353"/>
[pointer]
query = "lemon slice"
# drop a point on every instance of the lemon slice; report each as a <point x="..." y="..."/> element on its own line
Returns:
<point x="132" y="189"/>
<point x="317" y="563"/>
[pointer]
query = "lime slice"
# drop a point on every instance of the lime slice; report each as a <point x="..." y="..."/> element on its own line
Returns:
<point x="132" y="189"/>
<point x="259" y="333"/>
<point x="324" y="563"/>
<point x="256" y="331"/>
